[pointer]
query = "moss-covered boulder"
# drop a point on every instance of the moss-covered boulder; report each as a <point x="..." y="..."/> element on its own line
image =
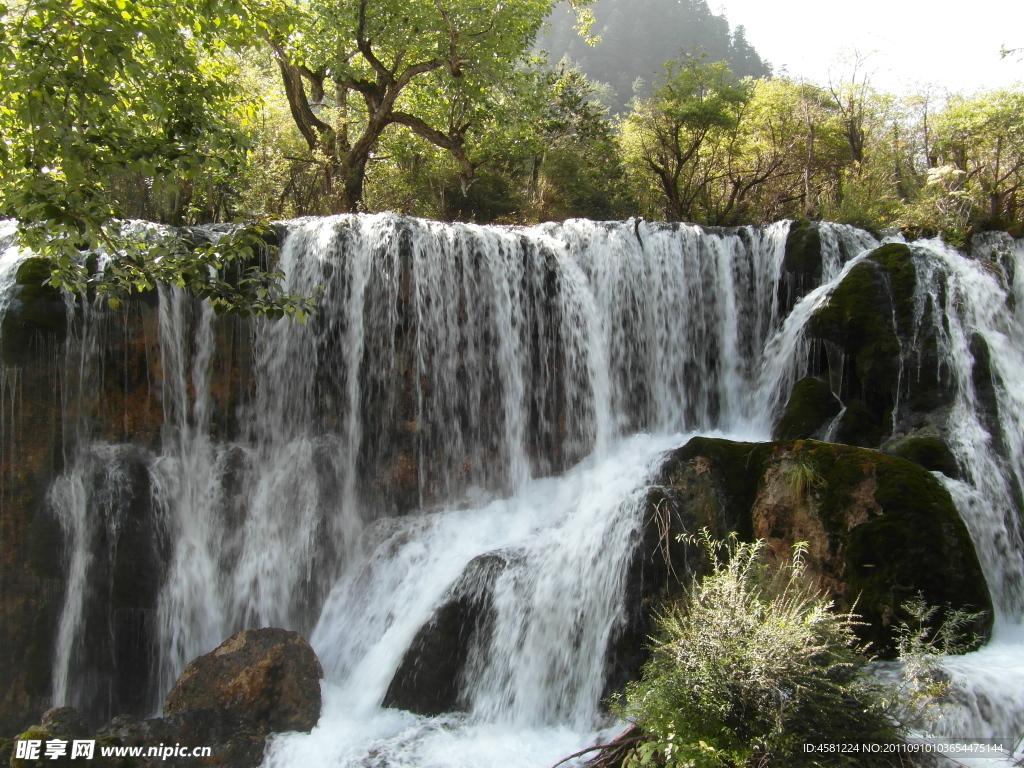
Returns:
<point x="812" y="406"/>
<point x="879" y="529"/>
<point x="802" y="263"/>
<point x="877" y="350"/>
<point x="931" y="453"/>
<point x="803" y="249"/>
<point x="858" y="319"/>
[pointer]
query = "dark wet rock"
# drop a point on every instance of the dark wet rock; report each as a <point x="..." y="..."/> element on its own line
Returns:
<point x="802" y="263"/>
<point x="882" y="360"/>
<point x="861" y="426"/>
<point x="232" y="740"/>
<point x="858" y="318"/>
<point x="811" y="407"/>
<point x="931" y="453"/>
<point x="803" y="249"/>
<point x="65" y="723"/>
<point x="429" y="679"/>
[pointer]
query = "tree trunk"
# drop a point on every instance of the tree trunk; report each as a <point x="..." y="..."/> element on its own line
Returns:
<point x="351" y="175"/>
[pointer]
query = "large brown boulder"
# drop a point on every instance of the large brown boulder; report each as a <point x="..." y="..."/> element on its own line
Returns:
<point x="258" y="682"/>
<point x="269" y="677"/>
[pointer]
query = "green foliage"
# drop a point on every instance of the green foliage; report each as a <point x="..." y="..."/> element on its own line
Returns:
<point x="101" y="98"/>
<point x="93" y="91"/>
<point x="752" y="664"/>
<point x="353" y="69"/>
<point x="801" y="476"/>
<point x="677" y="136"/>
<point x="916" y="699"/>
<point x="227" y="271"/>
<point x="186" y="113"/>
<point x="981" y="141"/>
<point x="545" y="150"/>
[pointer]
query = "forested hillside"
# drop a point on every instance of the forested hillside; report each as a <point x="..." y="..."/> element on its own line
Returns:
<point x="636" y="39"/>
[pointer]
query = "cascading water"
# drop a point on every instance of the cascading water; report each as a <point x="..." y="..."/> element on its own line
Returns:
<point x="494" y="381"/>
<point x="975" y="321"/>
<point x="10" y="257"/>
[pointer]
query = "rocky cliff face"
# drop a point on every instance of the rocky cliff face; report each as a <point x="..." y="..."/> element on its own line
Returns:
<point x="71" y="379"/>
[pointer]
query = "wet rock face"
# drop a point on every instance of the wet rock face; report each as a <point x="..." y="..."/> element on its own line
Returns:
<point x="270" y="677"/>
<point x="877" y="379"/>
<point x="802" y="266"/>
<point x="858" y="319"/>
<point x="428" y="681"/>
<point x="811" y="408"/>
<point x="879" y="529"/>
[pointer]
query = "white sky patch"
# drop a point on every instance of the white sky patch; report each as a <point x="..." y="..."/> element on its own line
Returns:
<point x="912" y="43"/>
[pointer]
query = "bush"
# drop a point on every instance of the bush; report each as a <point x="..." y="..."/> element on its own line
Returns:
<point x="750" y="666"/>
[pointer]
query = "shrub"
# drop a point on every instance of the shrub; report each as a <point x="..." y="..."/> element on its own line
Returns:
<point x="752" y="664"/>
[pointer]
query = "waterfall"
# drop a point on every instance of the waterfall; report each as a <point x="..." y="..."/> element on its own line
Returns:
<point x="462" y="361"/>
<point x="473" y="418"/>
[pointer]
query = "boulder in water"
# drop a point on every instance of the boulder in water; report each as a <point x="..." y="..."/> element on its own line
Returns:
<point x="258" y="682"/>
<point x="65" y="723"/>
<point x="270" y="677"/>
<point x="428" y="681"/>
<point x="879" y="529"/>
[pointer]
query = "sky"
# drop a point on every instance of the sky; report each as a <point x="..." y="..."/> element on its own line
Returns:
<point x="908" y="43"/>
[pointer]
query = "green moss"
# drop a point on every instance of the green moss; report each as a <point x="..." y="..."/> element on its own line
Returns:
<point x="899" y="264"/>
<point x="858" y="318"/>
<point x="803" y="249"/>
<point x="863" y="427"/>
<point x="35" y="733"/>
<point x="811" y="406"/>
<point x="931" y="453"/>
<point x="916" y="544"/>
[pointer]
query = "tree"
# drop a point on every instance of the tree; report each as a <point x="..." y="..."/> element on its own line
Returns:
<point x="665" y="135"/>
<point x="573" y="167"/>
<point x="351" y="69"/>
<point x="794" y="126"/>
<point x="983" y="138"/>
